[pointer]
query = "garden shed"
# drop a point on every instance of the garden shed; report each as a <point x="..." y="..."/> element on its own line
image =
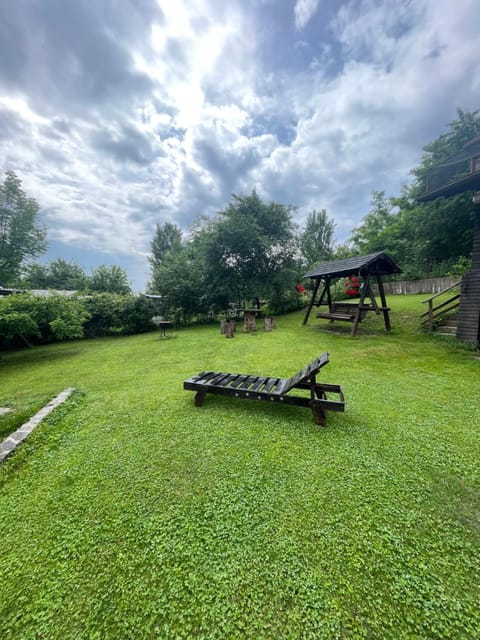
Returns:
<point x="370" y="268"/>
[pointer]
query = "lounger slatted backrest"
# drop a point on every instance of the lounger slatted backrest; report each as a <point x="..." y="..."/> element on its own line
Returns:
<point x="303" y="375"/>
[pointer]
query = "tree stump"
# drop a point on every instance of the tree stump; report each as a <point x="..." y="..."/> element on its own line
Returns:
<point x="229" y="329"/>
<point x="249" y="323"/>
<point x="270" y="323"/>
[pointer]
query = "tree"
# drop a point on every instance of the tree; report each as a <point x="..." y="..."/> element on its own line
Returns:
<point x="316" y="241"/>
<point x="372" y="234"/>
<point x="58" y="274"/>
<point x="247" y="246"/>
<point x="179" y="282"/>
<point x="424" y="239"/>
<point x="168" y="237"/>
<point x="112" y="279"/>
<point x="20" y="236"/>
<point x="244" y="254"/>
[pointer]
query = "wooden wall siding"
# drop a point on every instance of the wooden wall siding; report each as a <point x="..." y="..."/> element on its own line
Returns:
<point x="468" y="320"/>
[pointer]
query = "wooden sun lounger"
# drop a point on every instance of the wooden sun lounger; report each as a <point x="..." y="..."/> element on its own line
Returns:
<point x="272" y="389"/>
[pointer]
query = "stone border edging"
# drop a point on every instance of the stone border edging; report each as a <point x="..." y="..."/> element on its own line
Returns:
<point x="14" y="439"/>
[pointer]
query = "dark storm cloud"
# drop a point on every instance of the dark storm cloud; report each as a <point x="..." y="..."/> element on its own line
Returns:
<point x="73" y="55"/>
<point x="125" y="145"/>
<point x="11" y="125"/>
<point x="225" y="165"/>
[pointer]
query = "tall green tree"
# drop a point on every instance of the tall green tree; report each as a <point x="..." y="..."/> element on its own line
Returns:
<point x="111" y="279"/>
<point x="167" y="239"/>
<point x="21" y="238"/>
<point x="179" y="282"/>
<point x="58" y="274"/>
<point x="316" y="241"/>
<point x="248" y="245"/>
<point x="375" y="231"/>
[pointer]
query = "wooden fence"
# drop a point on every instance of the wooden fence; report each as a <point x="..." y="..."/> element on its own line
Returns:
<point x="426" y="285"/>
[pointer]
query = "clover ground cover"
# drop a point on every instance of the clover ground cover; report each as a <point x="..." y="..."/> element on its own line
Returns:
<point x="130" y="513"/>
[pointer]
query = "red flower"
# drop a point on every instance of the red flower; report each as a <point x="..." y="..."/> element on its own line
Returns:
<point x="352" y="286"/>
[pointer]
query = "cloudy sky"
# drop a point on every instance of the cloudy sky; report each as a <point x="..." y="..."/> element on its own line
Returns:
<point x="121" y="114"/>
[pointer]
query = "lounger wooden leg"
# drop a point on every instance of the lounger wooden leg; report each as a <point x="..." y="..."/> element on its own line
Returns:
<point x="319" y="414"/>
<point x="199" y="398"/>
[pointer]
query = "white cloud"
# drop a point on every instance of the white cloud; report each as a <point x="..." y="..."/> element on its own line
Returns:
<point x="202" y="107"/>
<point x="304" y="10"/>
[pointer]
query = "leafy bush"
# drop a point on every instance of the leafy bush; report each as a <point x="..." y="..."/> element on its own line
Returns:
<point x="115" y="314"/>
<point x="25" y="318"/>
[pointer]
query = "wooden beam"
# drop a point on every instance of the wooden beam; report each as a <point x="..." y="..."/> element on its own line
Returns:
<point x="317" y="284"/>
<point x="358" y="313"/>
<point x="381" y="290"/>
<point x="329" y="297"/>
<point x="372" y="298"/>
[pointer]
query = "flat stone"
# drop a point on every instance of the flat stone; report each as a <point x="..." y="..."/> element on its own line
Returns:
<point x="4" y="410"/>
<point x="10" y="443"/>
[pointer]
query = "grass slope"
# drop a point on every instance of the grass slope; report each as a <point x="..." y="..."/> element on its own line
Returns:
<point x="129" y="513"/>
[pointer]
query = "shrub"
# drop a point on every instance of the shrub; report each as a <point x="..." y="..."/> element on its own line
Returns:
<point x="115" y="314"/>
<point x="25" y="318"/>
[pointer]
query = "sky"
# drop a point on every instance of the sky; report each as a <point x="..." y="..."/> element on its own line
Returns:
<point x="118" y="115"/>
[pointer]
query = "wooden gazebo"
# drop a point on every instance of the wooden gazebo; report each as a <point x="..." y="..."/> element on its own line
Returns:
<point x="370" y="268"/>
<point x="458" y="174"/>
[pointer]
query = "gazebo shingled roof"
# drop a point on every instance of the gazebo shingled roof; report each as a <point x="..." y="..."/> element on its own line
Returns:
<point x="374" y="263"/>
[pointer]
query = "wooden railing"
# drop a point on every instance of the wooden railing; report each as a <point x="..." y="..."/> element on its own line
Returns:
<point x="446" y="306"/>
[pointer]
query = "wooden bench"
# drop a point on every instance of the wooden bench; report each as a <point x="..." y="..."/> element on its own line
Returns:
<point x="345" y="311"/>
<point x="273" y="389"/>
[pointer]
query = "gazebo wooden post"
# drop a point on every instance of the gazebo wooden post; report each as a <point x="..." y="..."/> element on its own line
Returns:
<point x="329" y="295"/>
<point x="381" y="291"/>
<point x="315" y="290"/>
<point x="358" y="313"/>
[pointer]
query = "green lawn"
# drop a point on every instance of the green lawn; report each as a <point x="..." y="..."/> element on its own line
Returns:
<point x="129" y="513"/>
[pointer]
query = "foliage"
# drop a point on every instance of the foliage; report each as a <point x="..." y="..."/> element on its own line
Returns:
<point x="178" y="280"/>
<point x="129" y="513"/>
<point x="115" y="314"/>
<point x="28" y="319"/>
<point x="16" y="325"/>
<point x="374" y="233"/>
<point x="110" y="279"/>
<point x="425" y="239"/>
<point x="249" y="244"/>
<point x="20" y="236"/>
<point x="461" y="266"/>
<point x="316" y="242"/>
<point x="25" y="318"/>
<point x="167" y="238"/>
<point x="58" y="274"/>
<point x="244" y="255"/>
